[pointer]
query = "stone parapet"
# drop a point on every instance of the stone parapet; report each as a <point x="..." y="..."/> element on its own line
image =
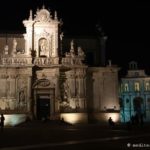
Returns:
<point x="14" y="61"/>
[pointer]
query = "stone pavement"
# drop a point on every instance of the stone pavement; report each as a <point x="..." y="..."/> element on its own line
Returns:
<point x="37" y="132"/>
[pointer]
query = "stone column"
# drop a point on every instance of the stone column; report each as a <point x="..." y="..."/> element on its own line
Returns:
<point x="34" y="104"/>
<point x="56" y="43"/>
<point x="84" y="92"/>
<point x="25" y="44"/>
<point x="52" y="103"/>
<point x="57" y="93"/>
<point x="29" y="97"/>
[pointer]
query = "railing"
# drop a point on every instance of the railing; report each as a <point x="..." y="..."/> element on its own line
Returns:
<point x="22" y="61"/>
<point x="46" y="61"/>
<point x="72" y="61"/>
<point x="16" y="61"/>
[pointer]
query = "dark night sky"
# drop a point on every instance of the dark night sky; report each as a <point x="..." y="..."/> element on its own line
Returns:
<point x="126" y="23"/>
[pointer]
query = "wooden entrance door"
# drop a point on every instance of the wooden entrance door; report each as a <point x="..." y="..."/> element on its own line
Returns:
<point x="43" y="107"/>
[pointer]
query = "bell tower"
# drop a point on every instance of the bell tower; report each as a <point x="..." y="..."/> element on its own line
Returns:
<point x="42" y="34"/>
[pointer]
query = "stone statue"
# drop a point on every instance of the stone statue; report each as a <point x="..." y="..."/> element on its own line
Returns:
<point x="80" y="52"/>
<point x="43" y="47"/>
<point x="61" y="36"/>
<point x="6" y="48"/>
<point x="72" y="53"/>
<point x="21" y="96"/>
<point x="72" y="45"/>
<point x="14" y="45"/>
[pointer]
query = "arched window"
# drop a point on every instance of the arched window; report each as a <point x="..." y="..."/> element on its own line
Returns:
<point x="126" y="87"/>
<point x="147" y="88"/>
<point x="137" y="86"/>
<point x="137" y="103"/>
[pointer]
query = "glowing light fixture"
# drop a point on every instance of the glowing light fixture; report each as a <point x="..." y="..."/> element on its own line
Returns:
<point x="14" y="119"/>
<point x="114" y="116"/>
<point x="74" y="118"/>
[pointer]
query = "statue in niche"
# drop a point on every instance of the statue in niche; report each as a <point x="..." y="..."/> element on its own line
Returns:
<point x="22" y="97"/>
<point x="15" y="50"/>
<point x="43" y="47"/>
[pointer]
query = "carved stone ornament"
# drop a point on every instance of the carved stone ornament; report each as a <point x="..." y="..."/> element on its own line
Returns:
<point x="43" y="15"/>
<point x="42" y="82"/>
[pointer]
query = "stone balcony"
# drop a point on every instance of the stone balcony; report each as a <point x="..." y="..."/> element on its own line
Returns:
<point x="27" y="61"/>
<point x="72" y="61"/>
<point x="16" y="61"/>
<point x="44" y="61"/>
<point x="41" y="61"/>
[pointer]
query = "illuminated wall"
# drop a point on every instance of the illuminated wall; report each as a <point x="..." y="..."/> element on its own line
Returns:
<point x="104" y="92"/>
<point x="14" y="89"/>
<point x="103" y="117"/>
<point x="135" y="94"/>
<point x="31" y="67"/>
<point x="42" y="33"/>
<point x="74" y="118"/>
<point x="14" y="119"/>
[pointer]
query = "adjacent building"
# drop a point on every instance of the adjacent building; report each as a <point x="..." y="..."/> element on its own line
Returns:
<point x="135" y="94"/>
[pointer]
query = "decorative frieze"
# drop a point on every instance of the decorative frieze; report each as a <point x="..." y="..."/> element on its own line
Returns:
<point x="44" y="61"/>
<point x="43" y="83"/>
<point x="68" y="60"/>
<point x="16" y="61"/>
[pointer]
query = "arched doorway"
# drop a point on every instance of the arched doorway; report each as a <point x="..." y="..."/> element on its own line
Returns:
<point x="137" y="104"/>
<point x="43" y="106"/>
<point x="44" y="99"/>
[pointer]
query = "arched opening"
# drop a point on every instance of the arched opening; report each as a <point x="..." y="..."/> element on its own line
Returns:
<point x="44" y="99"/>
<point x="43" y="47"/>
<point x="137" y="103"/>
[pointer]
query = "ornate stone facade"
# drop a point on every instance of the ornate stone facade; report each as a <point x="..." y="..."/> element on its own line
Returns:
<point x="37" y="81"/>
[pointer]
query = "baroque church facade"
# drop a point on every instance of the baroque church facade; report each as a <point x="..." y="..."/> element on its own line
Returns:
<point x="37" y="81"/>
